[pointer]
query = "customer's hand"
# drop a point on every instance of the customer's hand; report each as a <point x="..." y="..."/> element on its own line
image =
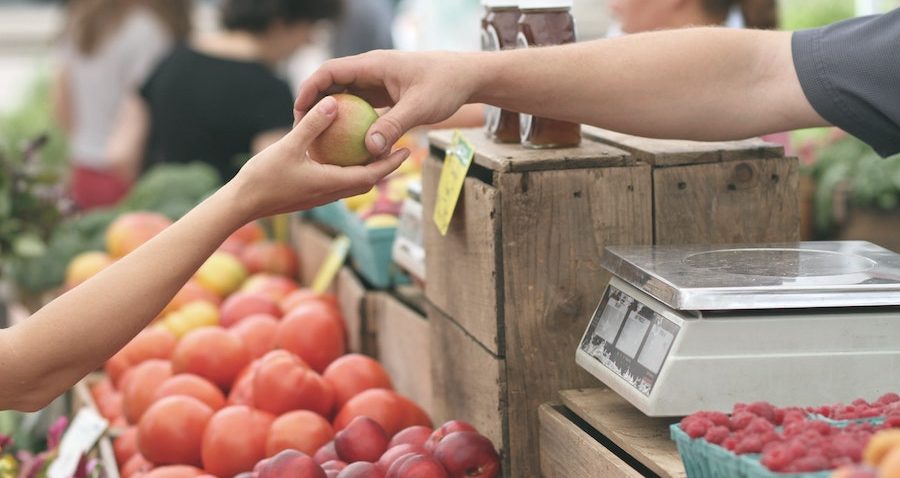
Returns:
<point x="282" y="178"/>
<point x="421" y="88"/>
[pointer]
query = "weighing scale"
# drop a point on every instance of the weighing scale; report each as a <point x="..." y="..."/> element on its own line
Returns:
<point x="688" y="328"/>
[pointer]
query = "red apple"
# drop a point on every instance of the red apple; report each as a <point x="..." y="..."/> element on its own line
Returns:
<point x="336" y="465"/>
<point x="416" y="435"/>
<point x="291" y="464"/>
<point x="468" y="454"/>
<point x="416" y="466"/>
<point x="362" y="439"/>
<point x="361" y="469"/>
<point x="446" y="429"/>
<point x="395" y="452"/>
<point x="244" y="304"/>
<point x="326" y="453"/>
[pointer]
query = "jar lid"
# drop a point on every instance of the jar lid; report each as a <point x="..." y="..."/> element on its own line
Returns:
<point x="538" y="4"/>
<point x="500" y="3"/>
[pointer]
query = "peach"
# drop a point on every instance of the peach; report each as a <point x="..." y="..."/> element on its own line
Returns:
<point x="241" y="305"/>
<point x="418" y="466"/>
<point x="326" y="453"/>
<point x="222" y="274"/>
<point x="192" y="291"/>
<point x="394" y="453"/>
<point x="273" y="286"/>
<point x="415" y="435"/>
<point x="343" y="143"/>
<point x="446" y="429"/>
<point x="291" y="464"/>
<point x="361" y="469"/>
<point x="131" y="230"/>
<point x="271" y="257"/>
<point x="362" y="440"/>
<point x="257" y="332"/>
<point x="84" y="266"/>
<point x="468" y="454"/>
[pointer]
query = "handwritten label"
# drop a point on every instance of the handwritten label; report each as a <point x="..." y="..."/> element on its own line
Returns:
<point x="456" y="164"/>
<point x="337" y="254"/>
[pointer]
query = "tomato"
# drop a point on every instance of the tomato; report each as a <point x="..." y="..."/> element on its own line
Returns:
<point x="141" y="387"/>
<point x="313" y="332"/>
<point x="107" y="399"/>
<point x="272" y="257"/>
<point x="302" y="296"/>
<point x="191" y="291"/>
<point x="391" y="410"/>
<point x="192" y="386"/>
<point x="171" y="430"/>
<point x="116" y="367"/>
<point x="273" y="286"/>
<point x="300" y="430"/>
<point x="257" y="333"/>
<point x="150" y="343"/>
<point x="283" y="383"/>
<point x="174" y="471"/>
<point x="125" y="445"/>
<point x="249" y="233"/>
<point x="135" y="465"/>
<point x="242" y="391"/>
<point x="212" y="353"/>
<point x="235" y="440"/>
<point x="241" y="305"/>
<point x="353" y="373"/>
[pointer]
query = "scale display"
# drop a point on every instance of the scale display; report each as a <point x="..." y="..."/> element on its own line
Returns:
<point x="630" y="339"/>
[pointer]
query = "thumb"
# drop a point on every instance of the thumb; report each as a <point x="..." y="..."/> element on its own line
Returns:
<point x="388" y="129"/>
<point x="314" y="122"/>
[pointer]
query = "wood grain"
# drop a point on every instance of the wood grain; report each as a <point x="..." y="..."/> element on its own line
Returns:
<point x="515" y="158"/>
<point x="351" y="296"/>
<point x="568" y="452"/>
<point x="467" y="379"/>
<point x="555" y="225"/>
<point x="403" y="347"/>
<point x="644" y="438"/>
<point x="670" y="152"/>
<point x="462" y="266"/>
<point x="311" y="245"/>
<point x="727" y="203"/>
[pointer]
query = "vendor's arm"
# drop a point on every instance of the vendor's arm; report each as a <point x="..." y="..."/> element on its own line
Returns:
<point x="73" y="335"/>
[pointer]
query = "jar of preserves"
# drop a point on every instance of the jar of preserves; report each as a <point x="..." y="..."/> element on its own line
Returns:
<point x="499" y="28"/>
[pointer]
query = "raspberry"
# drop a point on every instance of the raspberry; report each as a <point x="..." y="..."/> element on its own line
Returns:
<point x="840" y="461"/>
<point x="888" y="398"/>
<point x="741" y="420"/>
<point x="719" y="419"/>
<point x="859" y="402"/>
<point x="797" y="448"/>
<point x="892" y="421"/>
<point x="730" y="443"/>
<point x="777" y="458"/>
<point x="870" y="412"/>
<point x="760" y="425"/>
<point x="821" y="428"/>
<point x="738" y="407"/>
<point x="770" y="437"/>
<point x="793" y="416"/>
<point x="811" y="462"/>
<point x="793" y="429"/>
<point x="749" y="444"/>
<point x="716" y="434"/>
<point x="763" y="409"/>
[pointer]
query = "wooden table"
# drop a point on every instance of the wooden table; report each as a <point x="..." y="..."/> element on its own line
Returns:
<point x="595" y="432"/>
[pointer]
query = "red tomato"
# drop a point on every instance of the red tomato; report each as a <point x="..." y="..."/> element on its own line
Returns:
<point x="241" y="305"/>
<point x="171" y="430"/>
<point x="135" y="465"/>
<point x="242" y="391"/>
<point x="174" y="471"/>
<point x="313" y="332"/>
<point x="257" y="332"/>
<point x="392" y="411"/>
<point x="283" y="383"/>
<point x="235" y="440"/>
<point x="192" y="386"/>
<point x="272" y="257"/>
<point x="141" y="387"/>
<point x="306" y="295"/>
<point x="300" y="430"/>
<point x="125" y="445"/>
<point x="212" y="353"/>
<point x="352" y="374"/>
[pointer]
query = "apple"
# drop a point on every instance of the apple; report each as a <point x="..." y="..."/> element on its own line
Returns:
<point x="361" y="469"/>
<point x="241" y="305"/>
<point x="395" y="452"/>
<point x="291" y="464"/>
<point x="336" y="465"/>
<point x="343" y="143"/>
<point x="270" y="257"/>
<point x="446" y="429"/>
<point x="363" y="439"/>
<point x="326" y="453"/>
<point x="468" y="454"/>
<point x="130" y="231"/>
<point x="416" y="466"/>
<point x="416" y="435"/>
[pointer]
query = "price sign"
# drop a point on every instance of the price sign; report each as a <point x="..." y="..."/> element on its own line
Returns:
<point x="337" y="254"/>
<point x="456" y="165"/>
<point x="81" y="436"/>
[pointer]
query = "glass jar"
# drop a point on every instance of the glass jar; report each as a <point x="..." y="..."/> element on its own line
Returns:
<point x="499" y="29"/>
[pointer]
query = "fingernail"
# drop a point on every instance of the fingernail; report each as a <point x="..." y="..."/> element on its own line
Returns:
<point x="328" y="105"/>
<point x="378" y="141"/>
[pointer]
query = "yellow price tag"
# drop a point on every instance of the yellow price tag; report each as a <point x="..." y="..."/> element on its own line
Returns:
<point x="337" y="254"/>
<point x="456" y="165"/>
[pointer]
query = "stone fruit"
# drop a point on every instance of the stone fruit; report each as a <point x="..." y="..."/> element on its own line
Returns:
<point x="416" y="466"/>
<point x="257" y="332"/>
<point x="131" y="230"/>
<point x="191" y="317"/>
<point x="273" y="286"/>
<point x="326" y="453"/>
<point x="343" y="143"/>
<point x="880" y="445"/>
<point x="270" y="257"/>
<point x="171" y="431"/>
<point x="248" y="233"/>
<point x="468" y="454"/>
<point x="353" y="373"/>
<point x="241" y="305"/>
<point x="235" y="440"/>
<point x="222" y="274"/>
<point x="446" y="429"/>
<point x="361" y="469"/>
<point x="300" y="430"/>
<point x="395" y="452"/>
<point x="192" y="291"/>
<point x="283" y="382"/>
<point x="336" y="465"/>
<point x="415" y="435"/>
<point x="314" y="332"/>
<point x="363" y="439"/>
<point x="291" y="464"/>
<point x="301" y="296"/>
<point x="140" y="388"/>
<point x="84" y="266"/>
<point x="125" y="445"/>
<point x="212" y="353"/>
<point x="174" y="471"/>
<point x="189" y="385"/>
<point x="391" y="410"/>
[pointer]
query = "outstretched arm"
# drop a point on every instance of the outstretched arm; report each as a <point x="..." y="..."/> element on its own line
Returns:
<point x="73" y="335"/>
<point x="701" y="84"/>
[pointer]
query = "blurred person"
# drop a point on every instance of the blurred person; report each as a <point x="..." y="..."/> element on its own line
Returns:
<point x="217" y="98"/>
<point x="636" y="16"/>
<point x="108" y="48"/>
<point x="364" y="25"/>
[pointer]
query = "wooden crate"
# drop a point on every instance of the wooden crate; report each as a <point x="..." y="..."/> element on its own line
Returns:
<point x="595" y="432"/>
<point x="311" y="243"/>
<point x="515" y="279"/>
<point x="402" y="338"/>
<point x="717" y="192"/>
<point x="517" y="274"/>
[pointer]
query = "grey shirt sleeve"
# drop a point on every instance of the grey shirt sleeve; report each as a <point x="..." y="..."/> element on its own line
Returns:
<point x="850" y="73"/>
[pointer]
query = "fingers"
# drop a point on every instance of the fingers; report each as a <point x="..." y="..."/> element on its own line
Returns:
<point x="355" y="178"/>
<point x="388" y="129"/>
<point x="314" y="123"/>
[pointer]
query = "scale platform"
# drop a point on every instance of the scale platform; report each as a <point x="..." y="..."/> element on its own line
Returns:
<point x="688" y="328"/>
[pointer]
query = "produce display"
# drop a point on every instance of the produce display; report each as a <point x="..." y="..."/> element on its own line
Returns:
<point x="791" y="439"/>
<point x="247" y="374"/>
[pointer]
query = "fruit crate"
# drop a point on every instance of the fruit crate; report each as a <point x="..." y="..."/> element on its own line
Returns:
<point x="370" y="247"/>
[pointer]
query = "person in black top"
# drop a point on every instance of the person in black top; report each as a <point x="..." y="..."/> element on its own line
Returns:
<point x="217" y="99"/>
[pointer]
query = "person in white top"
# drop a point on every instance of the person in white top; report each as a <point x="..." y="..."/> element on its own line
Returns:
<point x="108" y="48"/>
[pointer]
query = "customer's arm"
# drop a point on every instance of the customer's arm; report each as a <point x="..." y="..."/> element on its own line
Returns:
<point x="50" y="351"/>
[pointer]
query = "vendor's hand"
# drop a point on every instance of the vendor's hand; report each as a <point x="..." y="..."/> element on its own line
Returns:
<point x="282" y="178"/>
<point x="421" y="88"/>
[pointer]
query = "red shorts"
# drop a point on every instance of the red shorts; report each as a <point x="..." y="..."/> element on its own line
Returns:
<point x="92" y="188"/>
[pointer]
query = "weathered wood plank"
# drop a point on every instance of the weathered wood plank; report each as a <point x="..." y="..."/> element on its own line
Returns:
<point x="555" y="225"/>
<point x="311" y="245"/>
<point x="568" y="452"/>
<point x="671" y="152"/>
<point x="515" y="158"/>
<point x="727" y="203"/>
<point x="644" y="438"/>
<point x="351" y="296"/>
<point x="462" y="266"/>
